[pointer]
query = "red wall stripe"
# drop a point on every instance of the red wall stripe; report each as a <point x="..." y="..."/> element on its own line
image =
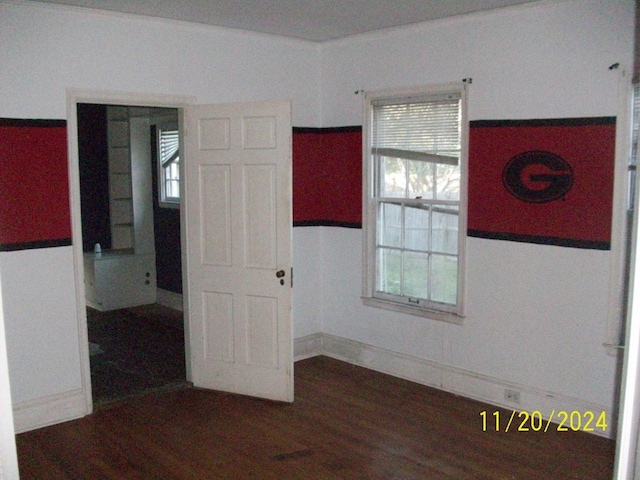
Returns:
<point x="580" y="218"/>
<point x="327" y="181"/>
<point x="34" y="185"/>
<point x="327" y="176"/>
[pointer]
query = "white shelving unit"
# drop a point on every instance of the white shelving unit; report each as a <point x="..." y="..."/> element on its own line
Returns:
<point x="120" y="183"/>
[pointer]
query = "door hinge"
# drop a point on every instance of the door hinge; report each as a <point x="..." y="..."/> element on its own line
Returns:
<point x="291" y="277"/>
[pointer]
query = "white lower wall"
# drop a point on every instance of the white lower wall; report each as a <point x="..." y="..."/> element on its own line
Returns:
<point x="535" y="317"/>
<point x="38" y="291"/>
<point x="307" y="281"/>
<point x="557" y="410"/>
<point x="43" y="344"/>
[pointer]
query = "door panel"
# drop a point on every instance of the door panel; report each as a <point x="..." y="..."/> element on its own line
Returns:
<point x="215" y="206"/>
<point x="238" y="215"/>
<point x="260" y="216"/>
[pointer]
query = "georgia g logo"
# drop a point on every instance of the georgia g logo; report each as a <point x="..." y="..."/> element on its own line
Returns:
<point x="537" y="176"/>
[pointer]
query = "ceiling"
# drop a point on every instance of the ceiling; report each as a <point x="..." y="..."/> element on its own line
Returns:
<point x="315" y="20"/>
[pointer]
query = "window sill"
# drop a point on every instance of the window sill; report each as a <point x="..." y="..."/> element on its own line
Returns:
<point x="174" y="205"/>
<point x="419" y="312"/>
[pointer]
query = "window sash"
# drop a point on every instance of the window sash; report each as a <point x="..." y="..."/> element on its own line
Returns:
<point x="399" y="239"/>
<point x="168" y="164"/>
<point x="441" y="150"/>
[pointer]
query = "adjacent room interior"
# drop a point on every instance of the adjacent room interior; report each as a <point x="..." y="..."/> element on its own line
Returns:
<point x="129" y="187"/>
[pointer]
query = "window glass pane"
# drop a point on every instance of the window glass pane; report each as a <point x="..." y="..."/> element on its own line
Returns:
<point x="169" y="159"/>
<point x="393" y="177"/>
<point x="421" y="181"/>
<point x="172" y="189"/>
<point x="416" y="228"/>
<point x="390" y="231"/>
<point x="444" y="283"/>
<point x="416" y="275"/>
<point x="389" y="271"/>
<point x="448" y="180"/>
<point x="173" y="172"/>
<point x="444" y="230"/>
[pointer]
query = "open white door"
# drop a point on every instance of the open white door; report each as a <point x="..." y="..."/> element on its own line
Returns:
<point x="237" y="168"/>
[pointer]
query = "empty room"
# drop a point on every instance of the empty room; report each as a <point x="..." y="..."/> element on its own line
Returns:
<point x="401" y="240"/>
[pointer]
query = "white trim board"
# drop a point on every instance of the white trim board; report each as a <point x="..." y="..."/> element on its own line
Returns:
<point x="169" y="299"/>
<point x="70" y="405"/>
<point x="49" y="410"/>
<point x="74" y="97"/>
<point x="450" y="379"/>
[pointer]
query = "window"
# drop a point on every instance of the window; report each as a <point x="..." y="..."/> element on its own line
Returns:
<point x="415" y="202"/>
<point x="168" y="165"/>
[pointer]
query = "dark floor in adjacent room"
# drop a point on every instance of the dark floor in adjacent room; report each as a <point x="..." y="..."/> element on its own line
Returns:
<point x="135" y="350"/>
<point x="346" y="422"/>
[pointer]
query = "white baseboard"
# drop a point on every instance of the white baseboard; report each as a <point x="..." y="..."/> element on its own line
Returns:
<point x="45" y="411"/>
<point x="169" y="299"/>
<point x="70" y="405"/>
<point x="455" y="380"/>
<point x="307" y="347"/>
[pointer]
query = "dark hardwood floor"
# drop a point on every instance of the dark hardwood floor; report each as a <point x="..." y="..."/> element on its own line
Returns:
<point x="346" y="423"/>
<point x="135" y="350"/>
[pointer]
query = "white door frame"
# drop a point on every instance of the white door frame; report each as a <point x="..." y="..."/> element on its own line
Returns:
<point x="8" y="450"/>
<point x="74" y="97"/>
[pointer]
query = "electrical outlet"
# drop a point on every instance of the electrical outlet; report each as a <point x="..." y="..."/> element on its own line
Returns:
<point x="512" y="396"/>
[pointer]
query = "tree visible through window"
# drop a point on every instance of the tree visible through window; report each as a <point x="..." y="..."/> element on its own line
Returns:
<point x="169" y="165"/>
<point x="414" y="199"/>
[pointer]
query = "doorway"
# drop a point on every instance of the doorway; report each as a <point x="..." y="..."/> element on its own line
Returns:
<point x="258" y="137"/>
<point x="131" y="239"/>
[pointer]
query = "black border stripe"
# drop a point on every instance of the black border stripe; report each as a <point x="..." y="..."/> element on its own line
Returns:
<point x="14" y="247"/>
<point x="544" y="122"/>
<point x="31" y="122"/>
<point x="348" y="129"/>
<point x="326" y="223"/>
<point x="540" y="240"/>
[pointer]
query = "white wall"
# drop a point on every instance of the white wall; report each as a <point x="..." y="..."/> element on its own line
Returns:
<point x="48" y="49"/>
<point x="536" y="315"/>
<point x="533" y="61"/>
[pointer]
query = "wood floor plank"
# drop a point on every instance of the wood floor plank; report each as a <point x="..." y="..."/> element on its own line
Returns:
<point x="346" y="423"/>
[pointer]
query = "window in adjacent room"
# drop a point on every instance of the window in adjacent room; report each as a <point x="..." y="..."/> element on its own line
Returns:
<point x="414" y="212"/>
<point x="169" y="165"/>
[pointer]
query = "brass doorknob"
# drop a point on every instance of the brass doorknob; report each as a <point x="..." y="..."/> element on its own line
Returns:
<point x="280" y="273"/>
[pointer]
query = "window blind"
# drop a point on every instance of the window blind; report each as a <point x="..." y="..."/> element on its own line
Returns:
<point x="427" y="130"/>
<point x="169" y="144"/>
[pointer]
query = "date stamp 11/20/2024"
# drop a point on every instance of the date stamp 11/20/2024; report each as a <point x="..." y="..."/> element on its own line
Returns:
<point x="535" y="421"/>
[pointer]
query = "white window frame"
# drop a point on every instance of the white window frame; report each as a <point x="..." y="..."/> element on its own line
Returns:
<point x="164" y="200"/>
<point x="370" y="297"/>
